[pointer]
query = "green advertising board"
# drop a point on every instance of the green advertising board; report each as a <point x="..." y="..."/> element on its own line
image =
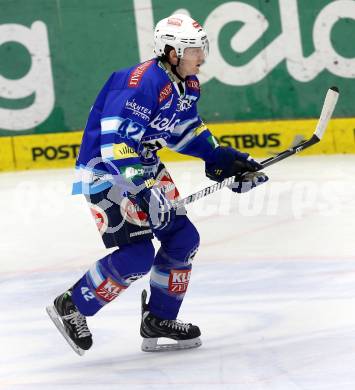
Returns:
<point x="268" y="59"/>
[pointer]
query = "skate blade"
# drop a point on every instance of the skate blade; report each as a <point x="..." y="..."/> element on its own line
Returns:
<point x="151" y="345"/>
<point x="54" y="316"/>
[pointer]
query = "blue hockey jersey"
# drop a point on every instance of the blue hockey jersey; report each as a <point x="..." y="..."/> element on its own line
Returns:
<point x="139" y="111"/>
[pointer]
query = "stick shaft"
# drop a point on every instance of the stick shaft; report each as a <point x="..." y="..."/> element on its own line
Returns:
<point x="329" y="104"/>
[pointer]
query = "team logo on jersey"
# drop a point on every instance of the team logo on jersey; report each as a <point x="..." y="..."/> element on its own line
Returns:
<point x="131" y="171"/>
<point x="166" y="183"/>
<point x="179" y="281"/>
<point x="122" y="151"/>
<point x="138" y="109"/>
<point x="100" y="217"/>
<point x="193" y="84"/>
<point x="109" y="290"/>
<point x="167" y="105"/>
<point x="133" y="214"/>
<point x="137" y="73"/>
<point x="186" y="102"/>
<point x="165" y="92"/>
<point x="163" y="123"/>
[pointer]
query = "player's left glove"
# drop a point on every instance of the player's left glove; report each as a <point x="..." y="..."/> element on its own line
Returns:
<point x="226" y="162"/>
<point x="248" y="182"/>
<point x="155" y="203"/>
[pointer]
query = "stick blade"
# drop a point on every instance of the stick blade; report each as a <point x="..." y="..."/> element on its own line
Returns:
<point x="329" y="104"/>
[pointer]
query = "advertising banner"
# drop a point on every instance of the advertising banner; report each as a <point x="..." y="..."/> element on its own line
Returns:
<point x="268" y="59"/>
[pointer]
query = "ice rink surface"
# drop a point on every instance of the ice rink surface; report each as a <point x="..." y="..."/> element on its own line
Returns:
<point x="272" y="287"/>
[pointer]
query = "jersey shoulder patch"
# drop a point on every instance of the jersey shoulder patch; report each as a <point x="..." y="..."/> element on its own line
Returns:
<point x="193" y="83"/>
<point x="138" y="72"/>
<point x="165" y="92"/>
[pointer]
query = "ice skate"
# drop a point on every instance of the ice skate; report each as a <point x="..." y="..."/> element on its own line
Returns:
<point x="70" y="322"/>
<point x="185" y="336"/>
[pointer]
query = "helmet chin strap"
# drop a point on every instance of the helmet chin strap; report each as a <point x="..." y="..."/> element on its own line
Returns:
<point x="174" y="70"/>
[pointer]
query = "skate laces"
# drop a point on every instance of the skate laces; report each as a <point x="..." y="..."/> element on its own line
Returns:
<point x="77" y="319"/>
<point x="176" y="325"/>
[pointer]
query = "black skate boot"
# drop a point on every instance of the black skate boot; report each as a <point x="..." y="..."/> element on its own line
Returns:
<point x="70" y="322"/>
<point x="152" y="328"/>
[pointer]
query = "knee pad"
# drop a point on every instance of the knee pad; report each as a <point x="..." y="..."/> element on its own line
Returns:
<point x="180" y="246"/>
<point x="131" y="261"/>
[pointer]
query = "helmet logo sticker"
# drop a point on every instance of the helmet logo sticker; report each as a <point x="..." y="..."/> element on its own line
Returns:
<point x="175" y="21"/>
<point x="196" y="24"/>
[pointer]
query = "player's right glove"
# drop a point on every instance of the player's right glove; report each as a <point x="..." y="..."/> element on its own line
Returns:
<point x="227" y="162"/>
<point x="159" y="208"/>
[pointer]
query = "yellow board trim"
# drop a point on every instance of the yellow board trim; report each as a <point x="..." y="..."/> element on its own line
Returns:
<point x="260" y="139"/>
<point x="42" y="151"/>
<point x="7" y="160"/>
<point x="266" y="138"/>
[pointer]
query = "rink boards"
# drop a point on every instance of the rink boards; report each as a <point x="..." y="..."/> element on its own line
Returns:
<point x="260" y="139"/>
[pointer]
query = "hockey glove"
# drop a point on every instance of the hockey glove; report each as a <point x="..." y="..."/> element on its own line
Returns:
<point x="154" y="202"/>
<point x="227" y="162"/>
<point x="248" y="182"/>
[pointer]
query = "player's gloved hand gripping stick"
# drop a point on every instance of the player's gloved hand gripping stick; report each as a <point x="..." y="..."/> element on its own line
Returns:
<point x="154" y="202"/>
<point x="329" y="104"/>
<point x="226" y="162"/>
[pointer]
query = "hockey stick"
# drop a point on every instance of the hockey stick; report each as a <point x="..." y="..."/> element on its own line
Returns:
<point x="329" y="104"/>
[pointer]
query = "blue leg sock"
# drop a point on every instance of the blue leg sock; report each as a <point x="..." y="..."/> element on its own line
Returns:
<point x="110" y="276"/>
<point x="170" y="274"/>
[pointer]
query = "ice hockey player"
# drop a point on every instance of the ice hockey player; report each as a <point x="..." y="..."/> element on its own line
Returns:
<point x="139" y="111"/>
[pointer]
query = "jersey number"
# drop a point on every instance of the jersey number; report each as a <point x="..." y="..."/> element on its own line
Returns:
<point x="87" y="294"/>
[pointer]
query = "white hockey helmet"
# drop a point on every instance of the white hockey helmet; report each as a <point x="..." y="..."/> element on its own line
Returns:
<point x="179" y="31"/>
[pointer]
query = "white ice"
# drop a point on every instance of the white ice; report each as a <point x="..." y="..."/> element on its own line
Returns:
<point x="272" y="288"/>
